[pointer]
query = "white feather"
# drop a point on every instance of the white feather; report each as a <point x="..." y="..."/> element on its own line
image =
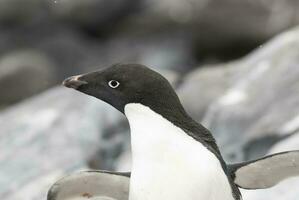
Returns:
<point x="168" y="164"/>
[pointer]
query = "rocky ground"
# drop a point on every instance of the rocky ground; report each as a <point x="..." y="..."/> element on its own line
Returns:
<point x="250" y="104"/>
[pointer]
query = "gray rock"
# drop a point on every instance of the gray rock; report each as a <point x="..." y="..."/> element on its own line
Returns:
<point x="94" y="14"/>
<point x="159" y="51"/>
<point x="82" y="13"/>
<point x="223" y="29"/>
<point x="262" y="101"/>
<point x="204" y="85"/>
<point x="24" y="73"/>
<point x="288" y="144"/>
<point x="11" y="11"/>
<point x="48" y="136"/>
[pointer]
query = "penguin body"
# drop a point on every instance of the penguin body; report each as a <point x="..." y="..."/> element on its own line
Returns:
<point x="172" y="165"/>
<point x="173" y="157"/>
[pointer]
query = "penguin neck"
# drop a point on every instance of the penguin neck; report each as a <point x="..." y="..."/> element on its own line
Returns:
<point x="169" y="107"/>
<point x="149" y="131"/>
<point x="153" y="133"/>
<point x="155" y="126"/>
<point x="166" y="104"/>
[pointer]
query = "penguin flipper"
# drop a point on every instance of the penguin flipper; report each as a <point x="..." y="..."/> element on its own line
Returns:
<point x="267" y="171"/>
<point x="100" y="185"/>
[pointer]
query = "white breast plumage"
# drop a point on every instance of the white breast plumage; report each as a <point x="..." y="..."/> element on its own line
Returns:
<point x="168" y="164"/>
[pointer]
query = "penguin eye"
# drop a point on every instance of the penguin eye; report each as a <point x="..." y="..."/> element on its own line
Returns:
<point x="113" y="84"/>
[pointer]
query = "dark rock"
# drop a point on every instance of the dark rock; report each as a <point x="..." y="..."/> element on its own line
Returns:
<point x="23" y="74"/>
<point x="94" y="15"/>
<point x="17" y="12"/>
<point x="220" y="30"/>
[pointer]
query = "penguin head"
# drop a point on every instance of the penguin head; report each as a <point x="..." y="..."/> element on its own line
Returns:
<point x="122" y="84"/>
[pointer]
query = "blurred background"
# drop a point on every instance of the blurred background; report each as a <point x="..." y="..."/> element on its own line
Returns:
<point x="234" y="64"/>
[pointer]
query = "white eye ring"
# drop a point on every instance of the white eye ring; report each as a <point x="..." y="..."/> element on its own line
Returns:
<point x="113" y="84"/>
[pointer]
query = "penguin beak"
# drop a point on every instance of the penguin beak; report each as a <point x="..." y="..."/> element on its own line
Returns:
<point x="74" y="82"/>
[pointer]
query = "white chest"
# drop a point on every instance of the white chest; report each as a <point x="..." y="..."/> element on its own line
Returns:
<point x="167" y="164"/>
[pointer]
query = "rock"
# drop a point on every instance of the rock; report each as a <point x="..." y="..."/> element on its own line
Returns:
<point x="93" y="14"/>
<point x="45" y="137"/>
<point x="288" y="144"/>
<point x="260" y="103"/>
<point x="222" y="30"/>
<point x="72" y="52"/>
<point x="159" y="51"/>
<point x="76" y="54"/>
<point x="80" y="13"/>
<point x="204" y="85"/>
<point x="12" y="13"/>
<point x="24" y="73"/>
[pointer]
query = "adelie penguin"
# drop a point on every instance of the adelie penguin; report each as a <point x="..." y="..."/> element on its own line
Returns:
<point x="173" y="156"/>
